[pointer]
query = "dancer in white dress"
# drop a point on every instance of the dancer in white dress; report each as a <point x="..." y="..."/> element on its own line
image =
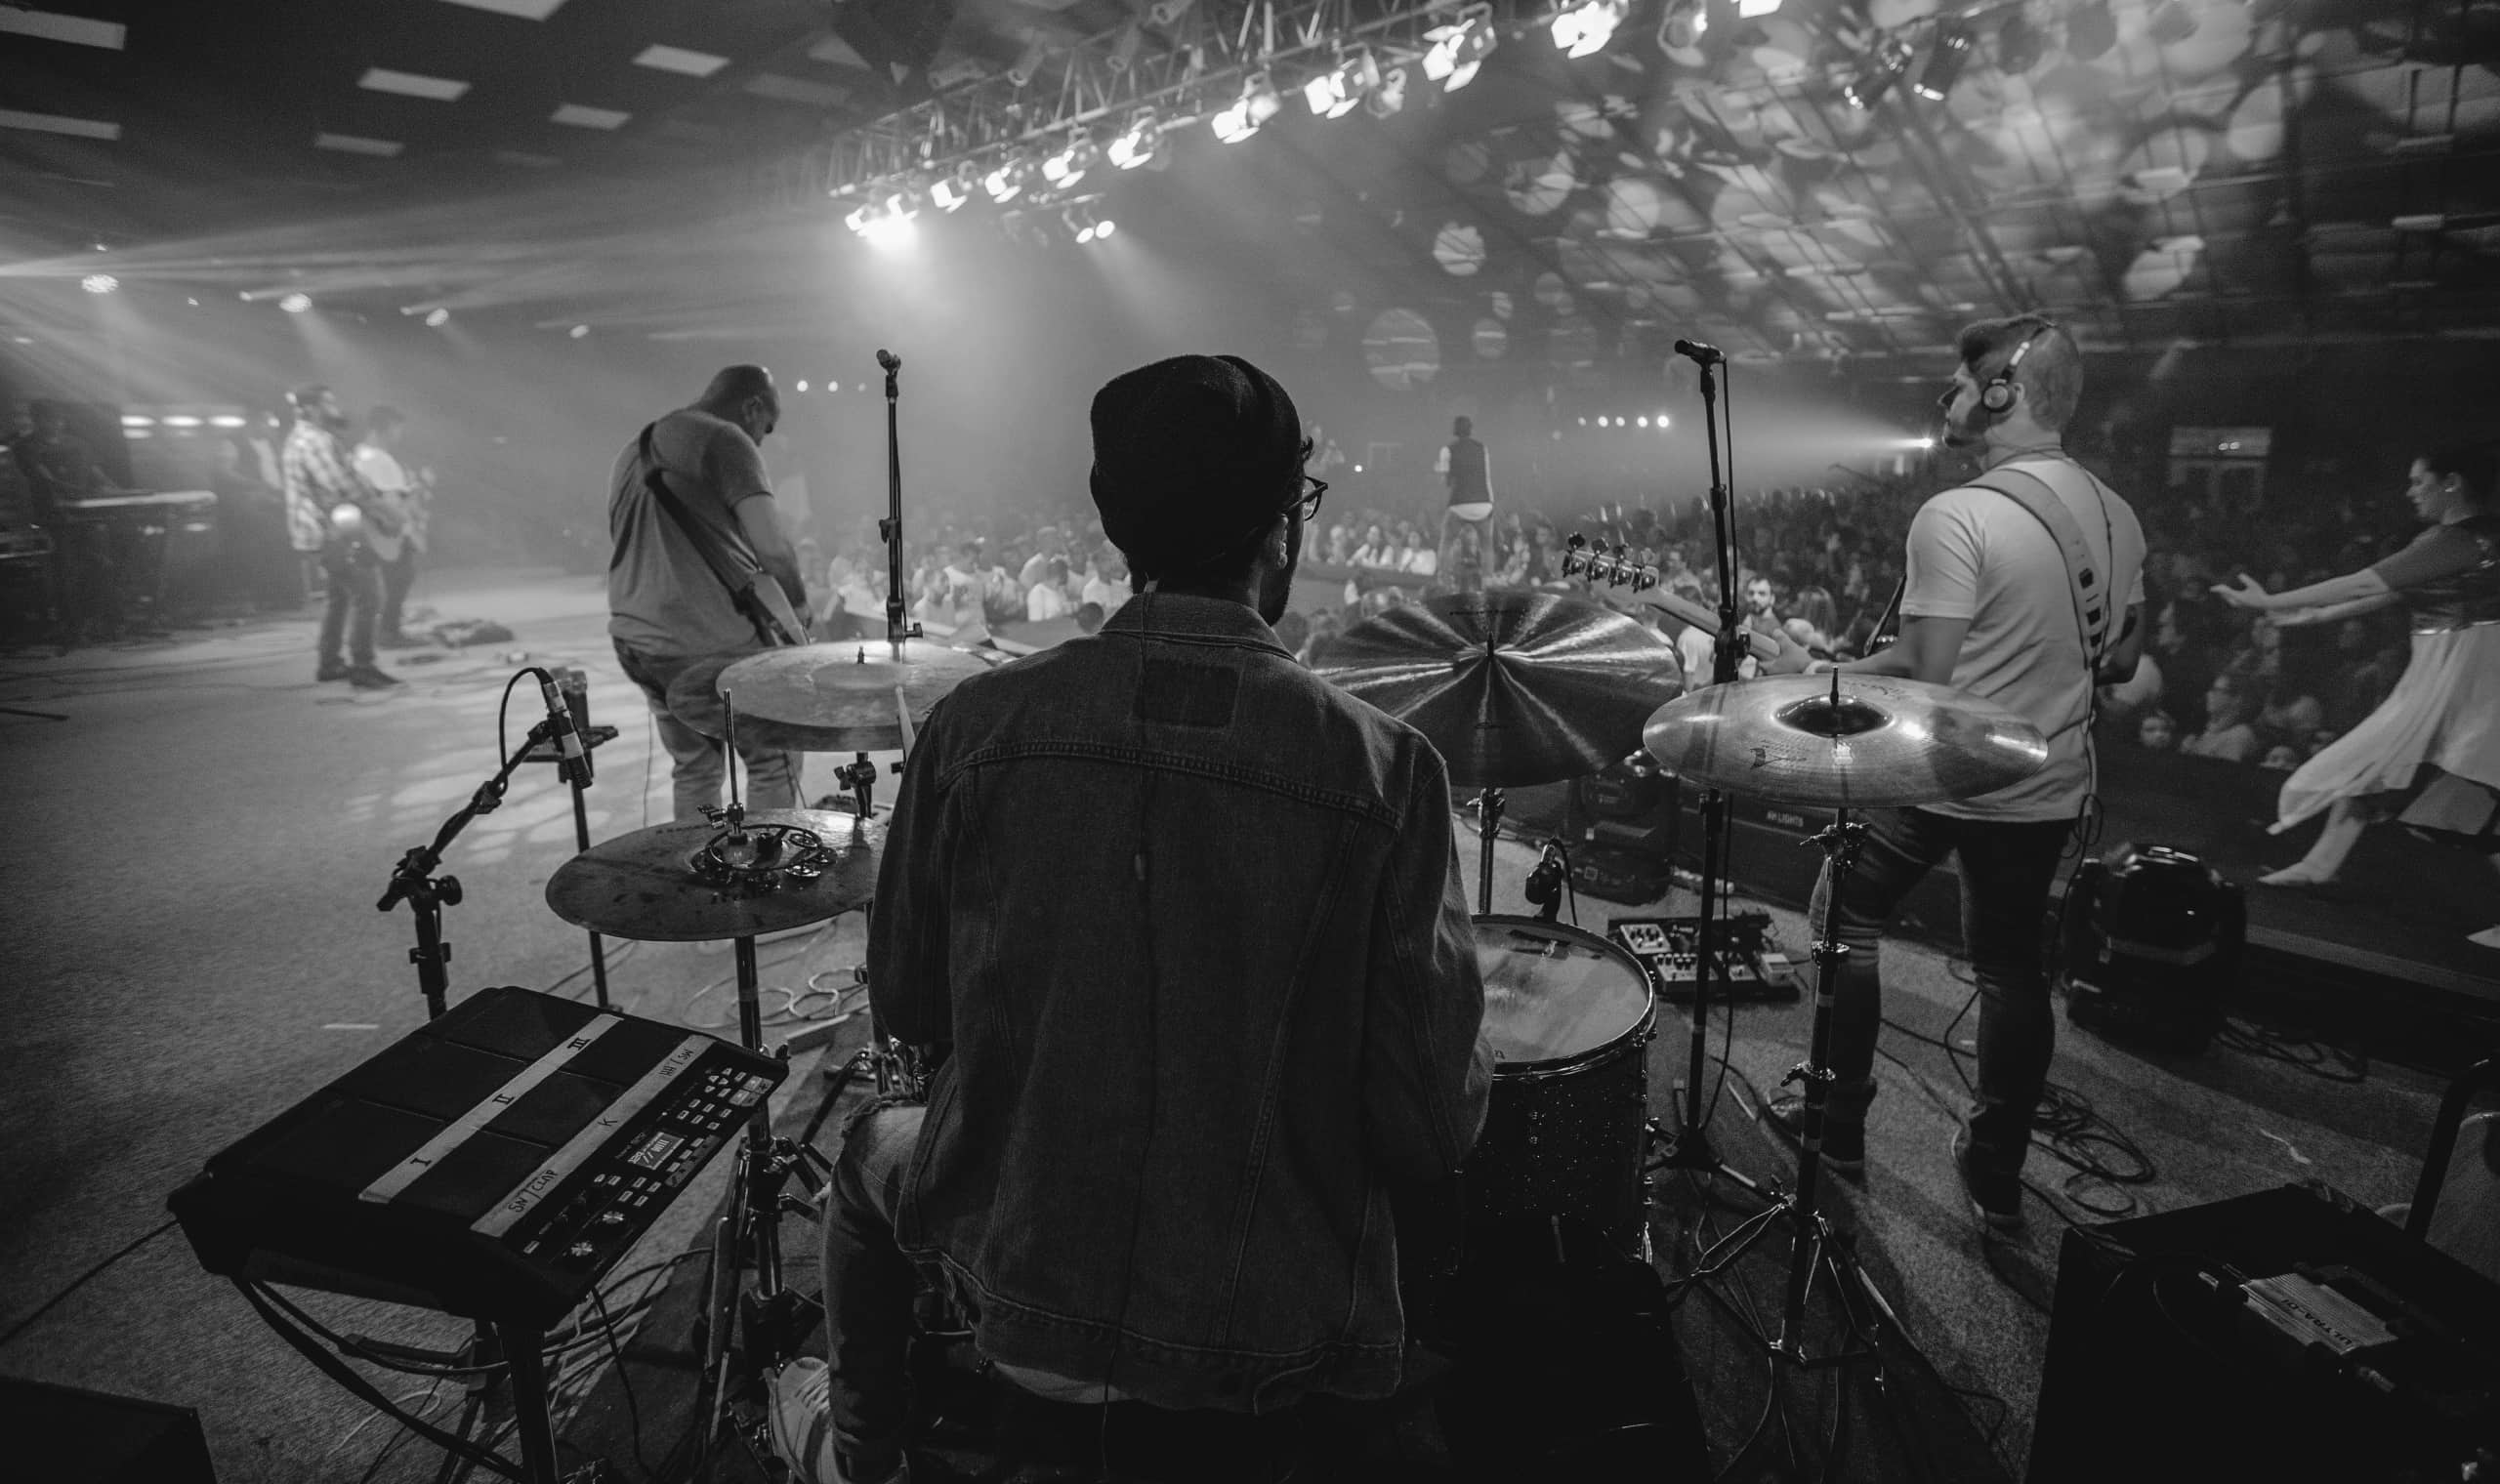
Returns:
<point x="2428" y="757"/>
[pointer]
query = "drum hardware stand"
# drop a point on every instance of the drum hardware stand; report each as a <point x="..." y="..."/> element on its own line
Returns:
<point x="1488" y="807"/>
<point x="890" y="529"/>
<point x="524" y="1388"/>
<point x="771" y="1318"/>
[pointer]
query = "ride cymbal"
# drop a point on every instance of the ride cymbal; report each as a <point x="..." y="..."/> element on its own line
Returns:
<point x="1514" y="688"/>
<point x="1885" y="742"/>
<point x="666" y="884"/>
<point x="839" y="698"/>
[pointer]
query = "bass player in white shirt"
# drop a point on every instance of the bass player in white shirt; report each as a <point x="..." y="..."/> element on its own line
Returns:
<point x="397" y="543"/>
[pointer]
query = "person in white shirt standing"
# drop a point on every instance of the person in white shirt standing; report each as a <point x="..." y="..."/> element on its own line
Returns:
<point x="1991" y="606"/>
<point x="397" y="543"/>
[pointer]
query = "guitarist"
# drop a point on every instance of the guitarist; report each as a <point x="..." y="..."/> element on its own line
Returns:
<point x="2025" y="588"/>
<point x="701" y="567"/>
<point x="337" y="511"/>
<point x="407" y="496"/>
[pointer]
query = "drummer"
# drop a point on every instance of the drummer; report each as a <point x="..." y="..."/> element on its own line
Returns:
<point x="1991" y="607"/>
<point x="1190" y="921"/>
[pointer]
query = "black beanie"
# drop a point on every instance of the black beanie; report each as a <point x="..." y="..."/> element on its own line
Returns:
<point x="1191" y="457"/>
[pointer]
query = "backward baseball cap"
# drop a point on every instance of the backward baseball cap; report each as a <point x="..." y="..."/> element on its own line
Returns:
<point x="1193" y="456"/>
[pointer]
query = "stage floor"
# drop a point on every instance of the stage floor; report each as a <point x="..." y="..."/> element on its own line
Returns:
<point x="192" y="863"/>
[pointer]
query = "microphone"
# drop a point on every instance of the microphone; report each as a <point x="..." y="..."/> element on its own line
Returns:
<point x="568" y="740"/>
<point x="889" y="360"/>
<point x="1699" y="353"/>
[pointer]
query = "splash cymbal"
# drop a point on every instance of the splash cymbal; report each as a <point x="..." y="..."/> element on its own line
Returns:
<point x="1512" y="687"/>
<point x="1887" y="742"/>
<point x="656" y="884"/>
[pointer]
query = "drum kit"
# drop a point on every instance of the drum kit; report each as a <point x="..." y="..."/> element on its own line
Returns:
<point x="1525" y="687"/>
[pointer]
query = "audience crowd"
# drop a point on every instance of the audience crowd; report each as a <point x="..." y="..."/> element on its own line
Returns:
<point x="1820" y="565"/>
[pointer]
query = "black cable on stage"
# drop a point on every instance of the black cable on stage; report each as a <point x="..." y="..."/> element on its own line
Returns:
<point x="260" y="1297"/>
<point x="81" y="1281"/>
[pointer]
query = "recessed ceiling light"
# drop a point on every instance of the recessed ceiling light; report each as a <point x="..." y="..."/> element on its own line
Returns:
<point x="357" y="144"/>
<point x="54" y="123"/>
<point x="412" y="85"/>
<point x="581" y="117"/>
<point x="77" y="30"/>
<point x="526" y="10"/>
<point x="669" y="58"/>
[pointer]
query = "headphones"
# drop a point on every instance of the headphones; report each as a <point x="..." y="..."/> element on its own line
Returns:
<point x="1996" y="397"/>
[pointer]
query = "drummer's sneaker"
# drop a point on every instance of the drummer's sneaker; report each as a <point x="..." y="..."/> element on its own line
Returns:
<point x="802" y="1430"/>
<point x="1843" y="1144"/>
<point x="1995" y="1197"/>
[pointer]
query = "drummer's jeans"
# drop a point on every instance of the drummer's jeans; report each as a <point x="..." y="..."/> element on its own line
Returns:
<point x="2007" y="870"/>
<point x="696" y="769"/>
<point x="868" y="1289"/>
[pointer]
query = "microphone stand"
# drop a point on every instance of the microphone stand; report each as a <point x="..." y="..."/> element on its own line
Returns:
<point x="1689" y="1148"/>
<point x="523" y="1393"/>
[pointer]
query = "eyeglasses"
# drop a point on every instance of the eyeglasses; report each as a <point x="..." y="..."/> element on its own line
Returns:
<point x="1308" y="506"/>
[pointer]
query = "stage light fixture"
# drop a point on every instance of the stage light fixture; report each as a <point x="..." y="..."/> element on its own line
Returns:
<point x="579" y="332"/>
<point x="1341" y="89"/>
<point x="2091" y="31"/>
<point x="1241" y="119"/>
<point x="295" y="303"/>
<point x="1684" y="25"/>
<point x="1029" y="62"/>
<point x="1390" y="96"/>
<point x="1079" y="224"/>
<point x="1642" y="421"/>
<point x="1584" y="28"/>
<point x="1944" y="64"/>
<point x="800" y="384"/>
<point x="2018" y="45"/>
<point x="1458" y="49"/>
<point x="1891" y="58"/>
<point x="952" y="190"/>
<point x="1135" y="145"/>
<point x="2172" y="21"/>
<point x="893" y="226"/>
<point x="225" y="420"/>
<point x="99" y="283"/>
<point x="1068" y="166"/>
<point x="1124" y="48"/>
<point x="1006" y="179"/>
<point x="1754" y="10"/>
<point x="436" y="320"/>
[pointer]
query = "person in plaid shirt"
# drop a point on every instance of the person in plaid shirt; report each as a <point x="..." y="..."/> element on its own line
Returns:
<point x="327" y="502"/>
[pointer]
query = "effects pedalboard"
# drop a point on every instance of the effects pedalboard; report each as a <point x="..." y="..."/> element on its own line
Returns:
<point x="1671" y="948"/>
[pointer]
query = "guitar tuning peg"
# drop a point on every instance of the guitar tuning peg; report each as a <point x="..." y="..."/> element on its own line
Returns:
<point x="1577" y="542"/>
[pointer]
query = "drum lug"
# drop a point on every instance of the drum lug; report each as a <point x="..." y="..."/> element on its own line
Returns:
<point x="1805" y="1072"/>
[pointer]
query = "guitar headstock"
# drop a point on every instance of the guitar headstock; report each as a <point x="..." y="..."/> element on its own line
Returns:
<point x="1615" y="568"/>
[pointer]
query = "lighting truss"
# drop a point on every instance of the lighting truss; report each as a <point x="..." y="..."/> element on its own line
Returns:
<point x="1194" y="60"/>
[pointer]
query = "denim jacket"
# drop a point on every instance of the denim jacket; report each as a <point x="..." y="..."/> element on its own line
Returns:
<point x="1191" y="920"/>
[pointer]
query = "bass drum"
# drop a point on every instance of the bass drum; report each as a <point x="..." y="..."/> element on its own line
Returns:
<point x="1568" y="1016"/>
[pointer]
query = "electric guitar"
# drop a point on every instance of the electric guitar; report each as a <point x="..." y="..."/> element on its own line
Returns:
<point x="1619" y="569"/>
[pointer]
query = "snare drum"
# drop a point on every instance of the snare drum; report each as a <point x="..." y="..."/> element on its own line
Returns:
<point x="1568" y="1016"/>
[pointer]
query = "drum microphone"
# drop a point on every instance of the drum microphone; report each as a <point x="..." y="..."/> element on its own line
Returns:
<point x="560" y="724"/>
<point x="1545" y="883"/>
<point x="1699" y="353"/>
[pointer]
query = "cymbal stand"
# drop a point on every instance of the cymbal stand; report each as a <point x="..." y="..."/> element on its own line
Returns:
<point x="1488" y="807"/>
<point x="770" y="1318"/>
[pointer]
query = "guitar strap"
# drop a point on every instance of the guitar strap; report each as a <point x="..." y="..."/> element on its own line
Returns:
<point x="719" y="550"/>
<point x="2092" y="609"/>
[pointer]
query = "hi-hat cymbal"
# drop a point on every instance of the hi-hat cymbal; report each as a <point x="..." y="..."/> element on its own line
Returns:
<point x="651" y="885"/>
<point x="1888" y="742"/>
<point x="1514" y="688"/>
<point x="835" y="698"/>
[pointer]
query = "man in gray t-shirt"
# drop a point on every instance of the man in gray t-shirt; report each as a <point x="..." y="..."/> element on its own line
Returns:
<point x="1991" y="609"/>
<point x="667" y="607"/>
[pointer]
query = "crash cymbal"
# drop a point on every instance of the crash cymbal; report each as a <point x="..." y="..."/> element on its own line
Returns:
<point x="695" y="698"/>
<point x="1512" y="687"/>
<point x="839" y="698"/>
<point x="1887" y="742"/>
<point x="658" y="885"/>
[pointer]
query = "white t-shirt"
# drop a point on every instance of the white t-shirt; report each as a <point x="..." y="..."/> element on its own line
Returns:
<point x="1046" y="602"/>
<point x="1976" y="554"/>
